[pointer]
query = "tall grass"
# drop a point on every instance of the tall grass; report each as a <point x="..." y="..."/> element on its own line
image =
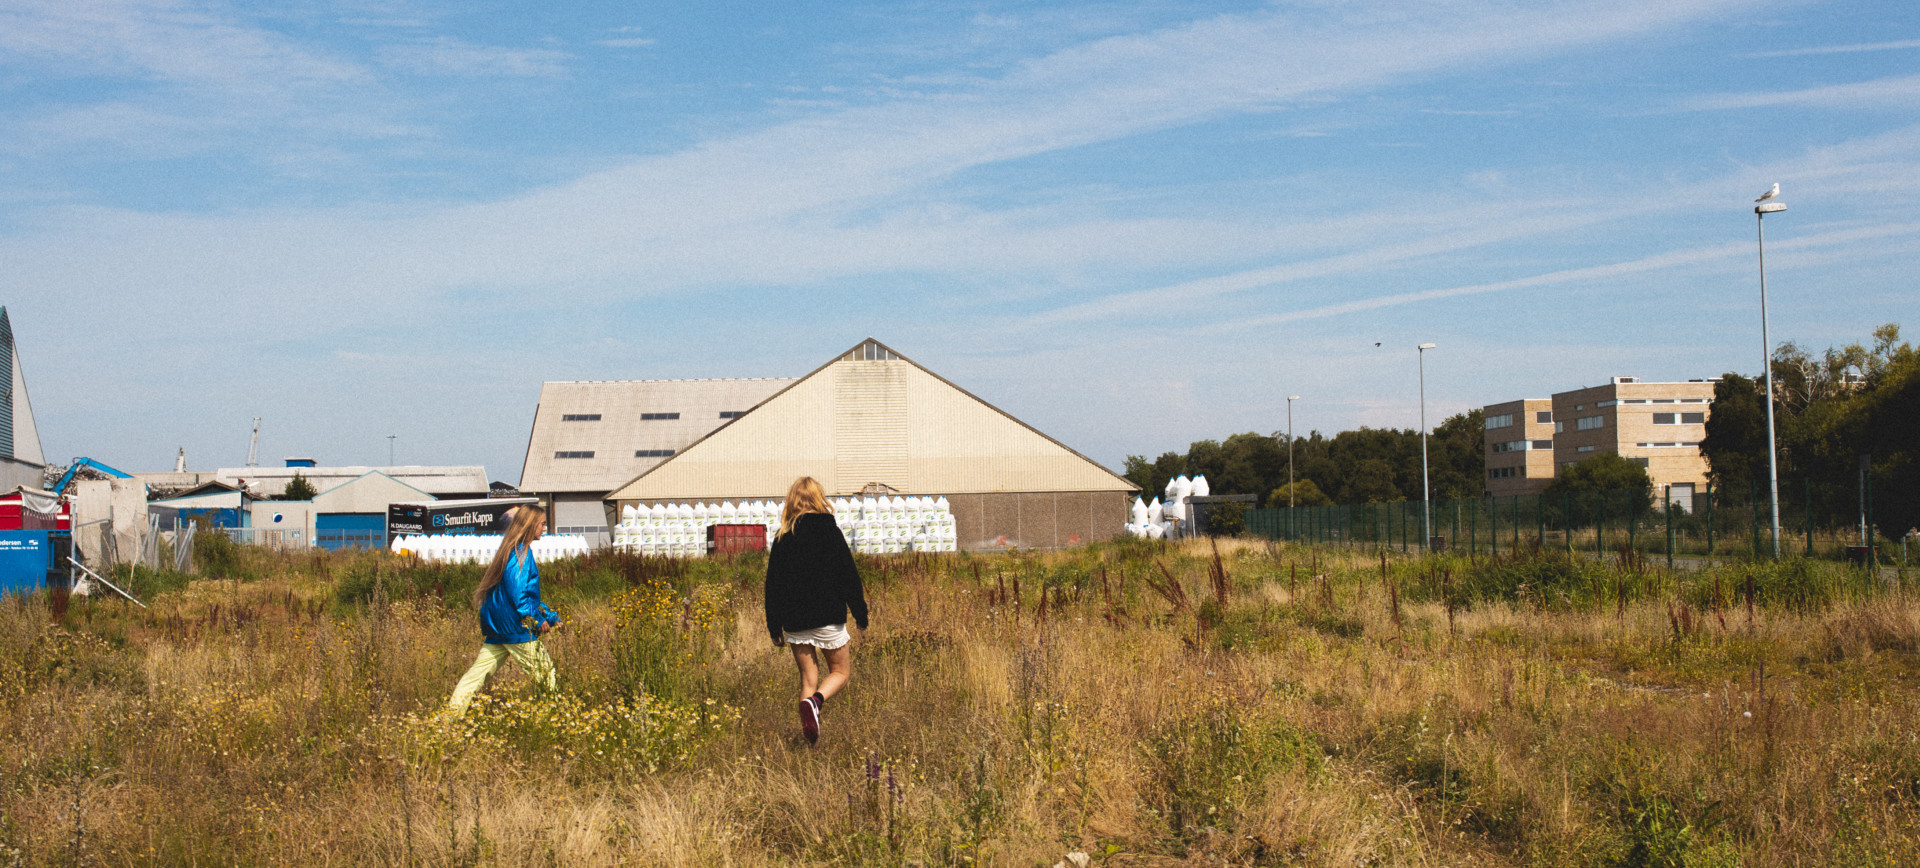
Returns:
<point x="1140" y="702"/>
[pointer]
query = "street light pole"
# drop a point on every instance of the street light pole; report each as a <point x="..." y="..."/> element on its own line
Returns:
<point x="1426" y="491"/>
<point x="1290" y="400"/>
<point x="1760" y="213"/>
<point x="390" y="449"/>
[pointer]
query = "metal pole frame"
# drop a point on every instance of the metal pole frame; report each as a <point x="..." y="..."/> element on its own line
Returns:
<point x="1766" y="361"/>
<point x="1426" y="492"/>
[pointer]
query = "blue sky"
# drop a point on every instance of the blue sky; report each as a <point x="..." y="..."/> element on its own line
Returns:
<point x="1133" y="225"/>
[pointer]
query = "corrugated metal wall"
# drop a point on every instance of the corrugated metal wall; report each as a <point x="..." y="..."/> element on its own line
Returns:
<point x="870" y="424"/>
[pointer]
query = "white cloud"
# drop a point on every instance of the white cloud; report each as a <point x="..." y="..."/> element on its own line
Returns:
<point x="1894" y="93"/>
<point x="1841" y="49"/>
<point x="1660" y="262"/>
<point x="165" y="41"/>
<point x="447" y="55"/>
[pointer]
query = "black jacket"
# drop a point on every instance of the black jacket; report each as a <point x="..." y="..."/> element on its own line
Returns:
<point x="811" y="580"/>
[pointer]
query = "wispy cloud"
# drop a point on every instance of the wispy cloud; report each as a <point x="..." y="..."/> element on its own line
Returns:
<point x="1896" y="45"/>
<point x="1659" y="262"/>
<point x="1897" y="92"/>
<point x="165" y="41"/>
<point x="625" y="37"/>
<point x="447" y="55"/>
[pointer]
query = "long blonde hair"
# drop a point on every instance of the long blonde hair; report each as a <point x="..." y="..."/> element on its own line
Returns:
<point x="803" y="496"/>
<point x="524" y="524"/>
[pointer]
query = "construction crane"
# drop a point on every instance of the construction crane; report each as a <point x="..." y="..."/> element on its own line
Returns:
<point x="253" y="446"/>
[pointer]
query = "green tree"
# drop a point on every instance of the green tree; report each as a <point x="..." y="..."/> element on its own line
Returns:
<point x="298" y="488"/>
<point x="1736" y="443"/>
<point x="1603" y="472"/>
<point x="1304" y="492"/>
<point x="1152" y="476"/>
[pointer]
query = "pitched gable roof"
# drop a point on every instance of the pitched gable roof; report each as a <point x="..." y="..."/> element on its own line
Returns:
<point x="871" y="416"/>
<point x="610" y="430"/>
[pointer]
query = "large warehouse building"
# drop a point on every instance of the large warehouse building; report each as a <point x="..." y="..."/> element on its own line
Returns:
<point x="21" y="460"/>
<point x="873" y="421"/>
<point x="589" y="437"/>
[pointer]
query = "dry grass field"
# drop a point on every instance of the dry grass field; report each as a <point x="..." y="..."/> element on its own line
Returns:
<point x="1143" y="704"/>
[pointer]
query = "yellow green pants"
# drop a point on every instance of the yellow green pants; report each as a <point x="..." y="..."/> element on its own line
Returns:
<point x="531" y="656"/>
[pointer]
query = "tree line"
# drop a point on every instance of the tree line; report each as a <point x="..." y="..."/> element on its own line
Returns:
<point x="1368" y="465"/>
<point x="1831" y="411"/>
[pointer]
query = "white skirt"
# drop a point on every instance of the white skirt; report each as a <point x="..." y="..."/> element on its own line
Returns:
<point x="824" y="638"/>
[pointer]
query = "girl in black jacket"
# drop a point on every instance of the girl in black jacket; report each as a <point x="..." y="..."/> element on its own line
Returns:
<point x="811" y="583"/>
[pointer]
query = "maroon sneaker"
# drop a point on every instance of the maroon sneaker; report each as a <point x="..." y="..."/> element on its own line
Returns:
<point x="810" y="720"/>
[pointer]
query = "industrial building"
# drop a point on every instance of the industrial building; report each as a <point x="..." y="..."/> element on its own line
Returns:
<point x="590" y="437"/>
<point x="22" y="462"/>
<point x="871" y="421"/>
<point x="1657" y="425"/>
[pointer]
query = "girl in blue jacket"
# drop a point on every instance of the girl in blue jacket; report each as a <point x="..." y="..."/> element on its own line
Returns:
<point x="512" y="617"/>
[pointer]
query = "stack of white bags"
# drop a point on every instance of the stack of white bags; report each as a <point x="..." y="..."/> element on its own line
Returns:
<point x="891" y="524"/>
<point x="677" y="530"/>
<point x="479" y="548"/>
<point x="1159" y="520"/>
<point x="872" y="525"/>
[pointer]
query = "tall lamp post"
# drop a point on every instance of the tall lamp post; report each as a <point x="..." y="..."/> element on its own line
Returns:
<point x="1290" y="400"/>
<point x="1426" y="492"/>
<point x="1760" y="213"/>
<point x="390" y="449"/>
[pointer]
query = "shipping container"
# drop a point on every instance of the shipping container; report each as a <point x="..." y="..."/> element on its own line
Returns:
<point x="732" y="539"/>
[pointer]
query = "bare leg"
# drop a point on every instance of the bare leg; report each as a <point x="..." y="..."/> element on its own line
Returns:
<point x="809" y="670"/>
<point x="839" y="669"/>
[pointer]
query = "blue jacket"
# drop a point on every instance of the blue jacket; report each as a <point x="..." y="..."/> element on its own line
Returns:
<point x="517" y="597"/>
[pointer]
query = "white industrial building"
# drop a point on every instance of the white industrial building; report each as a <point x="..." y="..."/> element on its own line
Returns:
<point x="591" y="436"/>
<point x="871" y="421"/>
<point x="22" y="462"/>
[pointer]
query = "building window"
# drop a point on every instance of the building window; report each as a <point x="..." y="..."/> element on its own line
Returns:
<point x="870" y="351"/>
<point x="580" y="417"/>
<point x="1692" y="401"/>
<point x="575" y="453"/>
<point x="1543" y="445"/>
<point x="1633" y="400"/>
<point x="1606" y="403"/>
<point x="1679" y="418"/>
<point x="1500" y="421"/>
<point x="1510" y="446"/>
<point x="1500" y="472"/>
<point x="1663" y="400"/>
<point x="1579" y="407"/>
<point x="1543" y="417"/>
<point x="651" y="417"/>
<point x="1584" y="449"/>
<point x="1588" y="423"/>
<point x="1559" y="427"/>
<point x="653" y="453"/>
<point x="1693" y="418"/>
<point x="1640" y="461"/>
<point x="732" y="414"/>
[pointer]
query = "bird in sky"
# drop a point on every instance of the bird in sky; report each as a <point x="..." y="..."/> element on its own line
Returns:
<point x="1770" y="193"/>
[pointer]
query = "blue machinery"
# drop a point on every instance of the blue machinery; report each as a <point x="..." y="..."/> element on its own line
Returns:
<point x="60" y="488"/>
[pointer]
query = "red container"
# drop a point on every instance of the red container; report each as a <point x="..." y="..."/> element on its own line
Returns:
<point x="732" y="539"/>
<point x="14" y="517"/>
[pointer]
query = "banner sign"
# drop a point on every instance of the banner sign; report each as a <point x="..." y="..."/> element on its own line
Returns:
<point x="450" y="517"/>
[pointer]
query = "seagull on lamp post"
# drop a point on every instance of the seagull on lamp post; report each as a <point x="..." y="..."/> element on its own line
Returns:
<point x="1770" y="193"/>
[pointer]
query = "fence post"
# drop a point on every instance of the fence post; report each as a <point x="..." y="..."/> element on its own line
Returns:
<point x="1599" y="523"/>
<point x="1709" y="523"/>
<point x="1669" y="493"/>
<point x="1493" y="524"/>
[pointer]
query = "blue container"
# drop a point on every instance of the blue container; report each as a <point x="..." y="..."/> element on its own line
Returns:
<point x="31" y="559"/>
